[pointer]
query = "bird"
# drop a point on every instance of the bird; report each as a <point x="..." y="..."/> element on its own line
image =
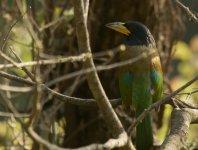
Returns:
<point x="141" y="82"/>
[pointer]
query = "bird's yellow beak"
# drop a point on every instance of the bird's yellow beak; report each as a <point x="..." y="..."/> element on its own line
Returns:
<point x="119" y="27"/>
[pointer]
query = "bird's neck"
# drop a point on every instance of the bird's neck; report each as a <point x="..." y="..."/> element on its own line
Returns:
<point x="135" y="41"/>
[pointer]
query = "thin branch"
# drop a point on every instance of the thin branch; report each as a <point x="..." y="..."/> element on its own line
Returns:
<point x="8" y="34"/>
<point x="23" y="68"/>
<point x="29" y="130"/>
<point x="188" y="11"/>
<point x="59" y="96"/>
<point x="7" y="58"/>
<point x="18" y="115"/>
<point x="81" y="57"/>
<point x="91" y="102"/>
<point x="23" y="9"/>
<point x="15" y="88"/>
<point x="86" y="8"/>
<point x="189" y="93"/>
<point x="100" y="68"/>
<point x="108" y="145"/>
<point x="79" y="101"/>
<point x="54" y="22"/>
<point x="37" y="106"/>
<point x="176" y="103"/>
<point x="180" y="122"/>
<point x="16" y="78"/>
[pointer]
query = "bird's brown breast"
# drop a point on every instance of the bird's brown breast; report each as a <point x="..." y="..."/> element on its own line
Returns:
<point x="140" y="65"/>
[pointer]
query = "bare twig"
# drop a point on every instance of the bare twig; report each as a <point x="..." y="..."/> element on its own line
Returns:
<point x="37" y="106"/>
<point x="81" y="57"/>
<point x="8" y="34"/>
<point x="100" y="68"/>
<point x="180" y="122"/>
<point x="7" y="58"/>
<point x="94" y="83"/>
<point x="18" y="115"/>
<point x="188" y="11"/>
<point x="16" y="78"/>
<point x="23" y="68"/>
<point x="81" y="101"/>
<point x="51" y="24"/>
<point x="188" y="93"/>
<point x="86" y="8"/>
<point x="108" y="145"/>
<point x="64" y="98"/>
<point x="176" y="103"/>
<point x="15" y="88"/>
<point x="29" y="130"/>
<point x="23" y="9"/>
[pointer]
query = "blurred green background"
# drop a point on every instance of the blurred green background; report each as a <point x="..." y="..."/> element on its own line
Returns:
<point x="59" y="40"/>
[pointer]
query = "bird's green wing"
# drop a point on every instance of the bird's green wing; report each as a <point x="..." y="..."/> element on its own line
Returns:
<point x="125" y="84"/>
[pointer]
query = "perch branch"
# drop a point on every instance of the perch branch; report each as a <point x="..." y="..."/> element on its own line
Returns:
<point x="180" y="122"/>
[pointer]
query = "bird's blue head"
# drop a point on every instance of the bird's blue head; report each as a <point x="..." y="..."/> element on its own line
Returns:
<point x="137" y="33"/>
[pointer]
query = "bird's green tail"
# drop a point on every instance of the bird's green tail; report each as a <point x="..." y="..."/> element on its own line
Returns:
<point x="144" y="134"/>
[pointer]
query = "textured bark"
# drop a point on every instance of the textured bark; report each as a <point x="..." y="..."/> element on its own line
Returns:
<point x="180" y="122"/>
